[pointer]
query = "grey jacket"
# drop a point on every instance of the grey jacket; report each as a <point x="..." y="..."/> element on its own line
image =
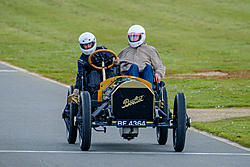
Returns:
<point x="143" y="55"/>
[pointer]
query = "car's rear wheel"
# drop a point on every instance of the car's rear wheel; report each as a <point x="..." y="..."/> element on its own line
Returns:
<point x="179" y="120"/>
<point x="85" y="127"/>
<point x="71" y="130"/>
<point x="162" y="132"/>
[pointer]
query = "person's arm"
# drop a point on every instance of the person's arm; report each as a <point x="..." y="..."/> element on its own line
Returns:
<point x="120" y="55"/>
<point x="117" y="61"/>
<point x="80" y="73"/>
<point x="158" y="66"/>
<point x="120" y="63"/>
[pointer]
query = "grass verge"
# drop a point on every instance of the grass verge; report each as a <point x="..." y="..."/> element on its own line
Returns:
<point x="234" y="129"/>
<point x="210" y="93"/>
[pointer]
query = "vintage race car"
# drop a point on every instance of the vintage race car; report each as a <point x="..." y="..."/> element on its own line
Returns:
<point x="128" y="103"/>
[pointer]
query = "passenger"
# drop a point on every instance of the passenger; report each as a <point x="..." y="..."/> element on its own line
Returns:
<point x="139" y="59"/>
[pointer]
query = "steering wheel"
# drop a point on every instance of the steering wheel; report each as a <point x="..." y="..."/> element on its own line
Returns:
<point x="97" y="58"/>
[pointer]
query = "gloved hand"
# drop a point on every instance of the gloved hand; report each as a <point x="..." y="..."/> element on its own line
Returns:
<point x="116" y="61"/>
<point x="74" y="96"/>
<point x="75" y="92"/>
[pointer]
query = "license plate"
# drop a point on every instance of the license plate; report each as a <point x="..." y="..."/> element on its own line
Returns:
<point x="131" y="123"/>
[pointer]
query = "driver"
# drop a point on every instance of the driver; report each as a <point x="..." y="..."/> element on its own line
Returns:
<point x="87" y="43"/>
<point x="140" y="59"/>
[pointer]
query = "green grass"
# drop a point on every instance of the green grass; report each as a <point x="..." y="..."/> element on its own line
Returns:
<point x="41" y="36"/>
<point x="210" y="93"/>
<point x="234" y="129"/>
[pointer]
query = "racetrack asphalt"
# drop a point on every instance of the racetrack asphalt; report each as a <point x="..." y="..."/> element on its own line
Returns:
<point x="32" y="133"/>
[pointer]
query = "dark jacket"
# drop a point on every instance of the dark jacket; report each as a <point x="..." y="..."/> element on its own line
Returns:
<point x="84" y="69"/>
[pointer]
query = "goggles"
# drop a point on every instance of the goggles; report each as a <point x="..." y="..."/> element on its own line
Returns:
<point x="87" y="45"/>
<point x="134" y="37"/>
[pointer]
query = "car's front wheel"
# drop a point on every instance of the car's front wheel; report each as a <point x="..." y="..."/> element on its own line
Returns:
<point x="180" y="119"/>
<point x="162" y="132"/>
<point x="85" y="126"/>
<point x="71" y="130"/>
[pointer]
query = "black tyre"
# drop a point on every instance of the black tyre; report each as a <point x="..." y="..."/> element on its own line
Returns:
<point x="162" y="132"/>
<point x="180" y="119"/>
<point x="71" y="130"/>
<point x="85" y="127"/>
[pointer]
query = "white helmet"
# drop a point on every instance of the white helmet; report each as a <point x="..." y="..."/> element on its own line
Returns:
<point x="136" y="36"/>
<point x="87" y="38"/>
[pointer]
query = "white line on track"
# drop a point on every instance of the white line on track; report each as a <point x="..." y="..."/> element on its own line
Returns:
<point x="34" y="74"/>
<point x="134" y="153"/>
<point x="220" y="139"/>
<point x="8" y="71"/>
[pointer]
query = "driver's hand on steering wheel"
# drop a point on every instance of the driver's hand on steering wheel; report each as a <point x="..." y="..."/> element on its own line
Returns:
<point x="116" y="61"/>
